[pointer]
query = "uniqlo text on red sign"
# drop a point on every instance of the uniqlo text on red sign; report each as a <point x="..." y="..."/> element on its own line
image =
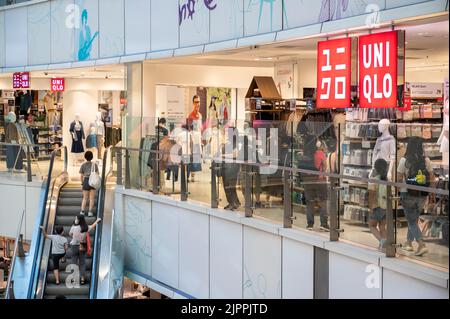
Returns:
<point x="21" y="80"/>
<point x="57" y="85"/>
<point x="378" y="70"/>
<point x="334" y="73"/>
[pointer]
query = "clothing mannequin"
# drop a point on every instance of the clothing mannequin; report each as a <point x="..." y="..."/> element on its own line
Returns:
<point x="77" y="132"/>
<point x="99" y="129"/>
<point x="91" y="142"/>
<point x="14" y="155"/>
<point x="385" y="147"/>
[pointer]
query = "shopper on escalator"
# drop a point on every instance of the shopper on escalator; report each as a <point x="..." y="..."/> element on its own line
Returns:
<point x="59" y="248"/>
<point x="78" y="245"/>
<point x="88" y="191"/>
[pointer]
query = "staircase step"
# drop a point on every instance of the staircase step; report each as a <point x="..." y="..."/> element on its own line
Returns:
<point x="52" y="289"/>
<point x="63" y="276"/>
<point x="68" y="220"/>
<point x="70" y="210"/>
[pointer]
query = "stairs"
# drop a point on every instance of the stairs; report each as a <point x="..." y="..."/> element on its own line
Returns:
<point x="69" y="206"/>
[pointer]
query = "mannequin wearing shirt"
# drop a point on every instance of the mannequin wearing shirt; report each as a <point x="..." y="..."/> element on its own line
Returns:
<point x="77" y="133"/>
<point x="99" y="130"/>
<point x="91" y="142"/>
<point x="385" y="147"/>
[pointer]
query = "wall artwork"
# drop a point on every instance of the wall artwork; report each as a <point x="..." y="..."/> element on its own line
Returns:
<point x="86" y="35"/>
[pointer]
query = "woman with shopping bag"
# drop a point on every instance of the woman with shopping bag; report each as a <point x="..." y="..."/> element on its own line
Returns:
<point x="90" y="182"/>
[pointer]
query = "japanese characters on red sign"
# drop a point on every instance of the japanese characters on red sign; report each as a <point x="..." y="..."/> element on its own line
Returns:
<point x="378" y="70"/>
<point x="21" y="80"/>
<point x="57" y="85"/>
<point x="334" y="73"/>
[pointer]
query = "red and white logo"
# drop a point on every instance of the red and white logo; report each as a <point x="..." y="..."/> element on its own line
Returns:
<point x="334" y="73"/>
<point x="21" y="80"/>
<point x="378" y="70"/>
<point x="57" y="85"/>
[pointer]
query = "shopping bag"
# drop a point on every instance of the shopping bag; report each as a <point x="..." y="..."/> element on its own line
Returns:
<point x="94" y="179"/>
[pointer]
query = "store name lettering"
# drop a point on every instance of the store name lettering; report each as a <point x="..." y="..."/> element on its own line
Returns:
<point x="376" y="56"/>
<point x="187" y="10"/>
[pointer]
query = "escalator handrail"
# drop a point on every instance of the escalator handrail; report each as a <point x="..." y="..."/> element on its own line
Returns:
<point x="16" y="244"/>
<point x="40" y="237"/>
<point x="99" y="228"/>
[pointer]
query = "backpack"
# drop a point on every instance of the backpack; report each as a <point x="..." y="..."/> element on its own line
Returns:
<point x="418" y="175"/>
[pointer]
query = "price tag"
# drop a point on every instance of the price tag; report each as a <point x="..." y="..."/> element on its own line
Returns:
<point x="366" y="144"/>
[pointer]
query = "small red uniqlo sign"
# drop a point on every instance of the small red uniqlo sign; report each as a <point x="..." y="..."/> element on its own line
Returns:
<point x="378" y="70"/>
<point x="334" y="73"/>
<point x="21" y="80"/>
<point x="57" y="85"/>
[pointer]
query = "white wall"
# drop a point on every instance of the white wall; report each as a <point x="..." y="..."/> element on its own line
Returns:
<point x="205" y="252"/>
<point x="307" y="75"/>
<point x="86" y="104"/>
<point x="15" y="197"/>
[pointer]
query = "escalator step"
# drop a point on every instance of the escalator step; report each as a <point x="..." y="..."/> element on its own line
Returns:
<point x="63" y="276"/>
<point x="63" y="266"/>
<point x="64" y="194"/>
<point x="52" y="289"/>
<point x="67" y="229"/>
<point x="70" y="210"/>
<point x="68" y="220"/>
<point x="68" y="297"/>
<point x="72" y="201"/>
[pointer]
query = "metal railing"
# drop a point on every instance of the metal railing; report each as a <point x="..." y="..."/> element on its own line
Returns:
<point x="38" y="273"/>
<point x="106" y="170"/>
<point x="9" y="284"/>
<point x="27" y="149"/>
<point x="37" y="244"/>
<point x="288" y="173"/>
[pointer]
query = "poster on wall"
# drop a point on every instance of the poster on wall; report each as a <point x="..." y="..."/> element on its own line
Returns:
<point x="334" y="73"/>
<point x="86" y="30"/>
<point x="218" y="106"/>
<point x="284" y="80"/>
<point x="426" y="90"/>
<point x="176" y="110"/>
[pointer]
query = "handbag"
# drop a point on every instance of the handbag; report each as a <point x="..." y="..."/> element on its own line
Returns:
<point x="88" y="244"/>
<point x="94" y="178"/>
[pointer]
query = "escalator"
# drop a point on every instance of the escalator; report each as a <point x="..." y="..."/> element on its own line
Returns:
<point x="32" y="276"/>
<point x="69" y="203"/>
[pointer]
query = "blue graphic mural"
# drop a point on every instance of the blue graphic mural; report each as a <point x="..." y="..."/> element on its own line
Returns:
<point x="85" y="38"/>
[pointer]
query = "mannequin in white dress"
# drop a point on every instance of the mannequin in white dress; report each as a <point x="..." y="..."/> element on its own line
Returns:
<point x="100" y="131"/>
<point x="385" y="147"/>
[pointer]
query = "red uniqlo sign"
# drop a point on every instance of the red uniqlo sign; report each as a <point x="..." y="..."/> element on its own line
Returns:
<point x="378" y="70"/>
<point x="57" y="85"/>
<point x="334" y="73"/>
<point x="21" y="80"/>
